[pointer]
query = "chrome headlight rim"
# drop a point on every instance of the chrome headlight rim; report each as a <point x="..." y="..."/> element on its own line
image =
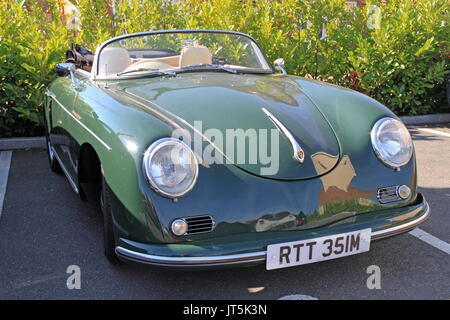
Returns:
<point x="374" y="139"/>
<point x="148" y="155"/>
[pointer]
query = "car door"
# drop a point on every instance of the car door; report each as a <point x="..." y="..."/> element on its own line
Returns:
<point x="61" y="123"/>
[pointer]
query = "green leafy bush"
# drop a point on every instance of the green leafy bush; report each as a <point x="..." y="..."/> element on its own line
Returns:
<point x="395" y="52"/>
<point x="31" y="42"/>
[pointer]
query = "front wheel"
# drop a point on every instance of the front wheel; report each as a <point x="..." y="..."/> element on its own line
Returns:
<point x="109" y="243"/>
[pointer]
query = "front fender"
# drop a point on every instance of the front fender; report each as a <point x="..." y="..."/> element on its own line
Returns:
<point x="352" y="115"/>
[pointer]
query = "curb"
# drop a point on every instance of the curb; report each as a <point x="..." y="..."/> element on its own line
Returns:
<point x="39" y="142"/>
<point x="426" y="119"/>
<point x="22" y="143"/>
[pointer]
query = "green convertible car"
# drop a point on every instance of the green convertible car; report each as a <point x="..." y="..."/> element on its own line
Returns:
<point x="201" y="155"/>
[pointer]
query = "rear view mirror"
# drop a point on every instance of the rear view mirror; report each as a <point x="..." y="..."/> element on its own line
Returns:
<point x="279" y="65"/>
<point x="64" y="69"/>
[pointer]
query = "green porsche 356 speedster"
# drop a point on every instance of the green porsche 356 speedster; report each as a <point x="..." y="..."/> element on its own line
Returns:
<point x="199" y="154"/>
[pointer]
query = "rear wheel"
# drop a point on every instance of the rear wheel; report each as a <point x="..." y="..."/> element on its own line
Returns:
<point x="109" y="242"/>
<point x="54" y="164"/>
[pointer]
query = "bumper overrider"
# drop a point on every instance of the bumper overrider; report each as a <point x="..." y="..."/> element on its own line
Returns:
<point x="251" y="249"/>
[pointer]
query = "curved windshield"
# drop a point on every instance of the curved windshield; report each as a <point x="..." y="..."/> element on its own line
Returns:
<point x="177" y="52"/>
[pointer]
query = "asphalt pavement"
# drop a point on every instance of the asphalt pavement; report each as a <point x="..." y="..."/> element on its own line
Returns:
<point x="45" y="229"/>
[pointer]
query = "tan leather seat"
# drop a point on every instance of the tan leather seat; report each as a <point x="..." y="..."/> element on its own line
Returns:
<point x="113" y="60"/>
<point x="195" y="55"/>
<point x="151" y="64"/>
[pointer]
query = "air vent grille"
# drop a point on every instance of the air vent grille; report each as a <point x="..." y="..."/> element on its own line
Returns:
<point x="199" y="224"/>
<point x="388" y="194"/>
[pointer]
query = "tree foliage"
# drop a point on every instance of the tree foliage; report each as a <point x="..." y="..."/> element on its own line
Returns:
<point x="396" y="52"/>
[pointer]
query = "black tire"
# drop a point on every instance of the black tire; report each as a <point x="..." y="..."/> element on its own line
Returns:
<point x="109" y="243"/>
<point x="54" y="164"/>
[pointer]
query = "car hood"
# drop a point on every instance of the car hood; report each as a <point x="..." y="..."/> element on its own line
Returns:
<point x="216" y="105"/>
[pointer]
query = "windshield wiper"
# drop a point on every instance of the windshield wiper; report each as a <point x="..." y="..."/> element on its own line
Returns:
<point x="173" y="73"/>
<point x="137" y="70"/>
<point x="209" y="65"/>
<point x="154" y="71"/>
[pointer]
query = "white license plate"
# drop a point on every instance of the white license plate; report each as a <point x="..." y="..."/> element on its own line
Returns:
<point x="296" y="253"/>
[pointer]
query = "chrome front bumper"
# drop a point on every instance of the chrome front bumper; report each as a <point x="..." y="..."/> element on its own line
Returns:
<point x="243" y="258"/>
<point x="398" y="225"/>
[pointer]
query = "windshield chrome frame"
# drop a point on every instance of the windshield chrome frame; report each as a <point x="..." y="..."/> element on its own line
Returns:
<point x="100" y="48"/>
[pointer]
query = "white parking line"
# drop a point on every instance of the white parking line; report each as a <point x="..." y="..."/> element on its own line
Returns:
<point x="431" y="240"/>
<point x="5" y="162"/>
<point x="445" y="134"/>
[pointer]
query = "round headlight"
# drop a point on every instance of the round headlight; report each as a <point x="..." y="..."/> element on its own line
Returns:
<point x="171" y="167"/>
<point x="392" y="142"/>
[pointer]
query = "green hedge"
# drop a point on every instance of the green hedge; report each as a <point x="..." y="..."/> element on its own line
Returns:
<point x="400" y="59"/>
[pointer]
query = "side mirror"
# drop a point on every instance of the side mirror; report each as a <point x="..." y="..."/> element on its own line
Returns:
<point x="64" y="69"/>
<point x="279" y="65"/>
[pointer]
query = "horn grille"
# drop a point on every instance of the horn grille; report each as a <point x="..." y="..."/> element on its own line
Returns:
<point x="388" y="194"/>
<point x="199" y="224"/>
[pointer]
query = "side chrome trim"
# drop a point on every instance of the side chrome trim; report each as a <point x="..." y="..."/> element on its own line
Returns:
<point x="64" y="169"/>
<point x="258" y="256"/>
<point x="52" y="95"/>
<point x="298" y="153"/>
